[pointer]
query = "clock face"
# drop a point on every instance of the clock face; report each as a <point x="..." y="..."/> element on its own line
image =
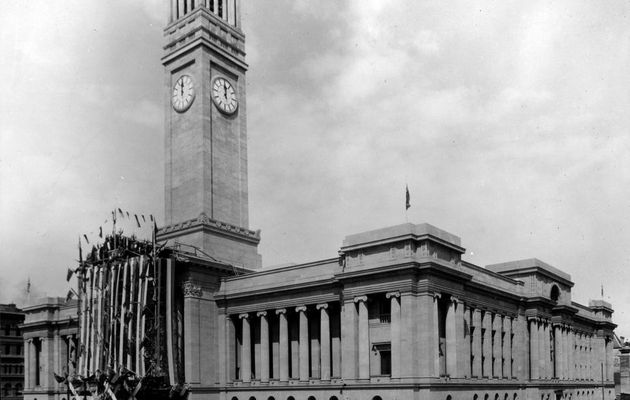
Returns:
<point x="183" y="93"/>
<point x="224" y="96"/>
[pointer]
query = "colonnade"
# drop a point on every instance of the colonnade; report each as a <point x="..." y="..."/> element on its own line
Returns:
<point x="41" y="353"/>
<point x="559" y="351"/>
<point x="492" y="344"/>
<point x="429" y="335"/>
<point x="305" y="342"/>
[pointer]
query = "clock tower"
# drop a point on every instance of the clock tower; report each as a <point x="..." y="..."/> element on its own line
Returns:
<point x="206" y="202"/>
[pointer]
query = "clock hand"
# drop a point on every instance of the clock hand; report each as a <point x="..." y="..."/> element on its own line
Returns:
<point x="181" y="88"/>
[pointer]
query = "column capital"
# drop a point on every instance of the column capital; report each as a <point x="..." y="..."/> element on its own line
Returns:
<point x="392" y="294"/>
<point x="456" y="300"/>
<point x="300" y="308"/>
<point x="436" y="296"/>
<point x="29" y="340"/>
<point x="281" y="311"/>
<point x="190" y="289"/>
<point x="322" y="306"/>
<point x="360" y="298"/>
<point x="244" y="316"/>
<point x="261" y="314"/>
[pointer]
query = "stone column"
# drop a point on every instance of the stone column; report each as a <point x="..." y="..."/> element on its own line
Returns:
<point x="465" y="359"/>
<point x="507" y="347"/>
<point x="487" y="345"/>
<point x="349" y="340"/>
<point x="246" y="349"/>
<point x="303" y="342"/>
<point x="418" y="332"/>
<point x="571" y="353"/>
<point x="476" y="343"/>
<point x="534" y="353"/>
<point x="324" y="340"/>
<point x="230" y="349"/>
<point x="541" y="350"/>
<point x="497" y="354"/>
<point x="557" y="344"/>
<point x="395" y="332"/>
<point x="364" y="339"/>
<point x="283" y="347"/>
<point x="451" y="339"/>
<point x="549" y="368"/>
<point x="580" y="355"/>
<point x="264" y="346"/>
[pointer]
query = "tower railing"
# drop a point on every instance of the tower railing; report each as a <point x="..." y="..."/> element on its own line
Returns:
<point x="227" y="10"/>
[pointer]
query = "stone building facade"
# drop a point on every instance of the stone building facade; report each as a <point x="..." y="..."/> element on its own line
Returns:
<point x="11" y="352"/>
<point x="399" y="315"/>
<point x="49" y="331"/>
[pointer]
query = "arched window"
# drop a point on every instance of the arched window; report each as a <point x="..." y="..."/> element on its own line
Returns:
<point x="290" y="398"/>
<point x="449" y="397"/>
<point x="333" y="398"/>
<point x="475" y="396"/>
<point x="506" y="397"/>
<point x="252" y="398"/>
<point x="234" y="398"/>
<point x="486" y="396"/>
<point x="496" y="396"/>
<point x="271" y="398"/>
<point x="377" y="398"/>
<point x="515" y="396"/>
<point x="311" y="398"/>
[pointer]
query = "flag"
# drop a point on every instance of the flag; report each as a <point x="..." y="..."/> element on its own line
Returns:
<point x="151" y="217"/>
<point x="602" y="291"/>
<point x="127" y="214"/>
<point x="137" y="220"/>
<point x="86" y="239"/>
<point x="121" y="212"/>
<point x="100" y="231"/>
<point x="407" y="198"/>
<point x="143" y="219"/>
<point x="69" y="274"/>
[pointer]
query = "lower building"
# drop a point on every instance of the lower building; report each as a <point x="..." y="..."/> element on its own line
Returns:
<point x="396" y="315"/>
<point x="11" y="352"/>
<point x="49" y="330"/>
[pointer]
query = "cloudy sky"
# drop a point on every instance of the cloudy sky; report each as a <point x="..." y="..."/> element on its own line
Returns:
<point x="508" y="121"/>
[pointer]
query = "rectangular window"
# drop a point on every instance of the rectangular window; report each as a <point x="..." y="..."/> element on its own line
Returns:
<point x="383" y="361"/>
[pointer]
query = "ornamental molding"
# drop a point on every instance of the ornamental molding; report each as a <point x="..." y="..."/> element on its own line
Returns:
<point x="300" y="308"/>
<point x="358" y="299"/>
<point x="322" y="306"/>
<point x="191" y="290"/>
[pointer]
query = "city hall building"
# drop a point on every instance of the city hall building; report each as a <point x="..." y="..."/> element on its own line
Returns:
<point x="394" y="314"/>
